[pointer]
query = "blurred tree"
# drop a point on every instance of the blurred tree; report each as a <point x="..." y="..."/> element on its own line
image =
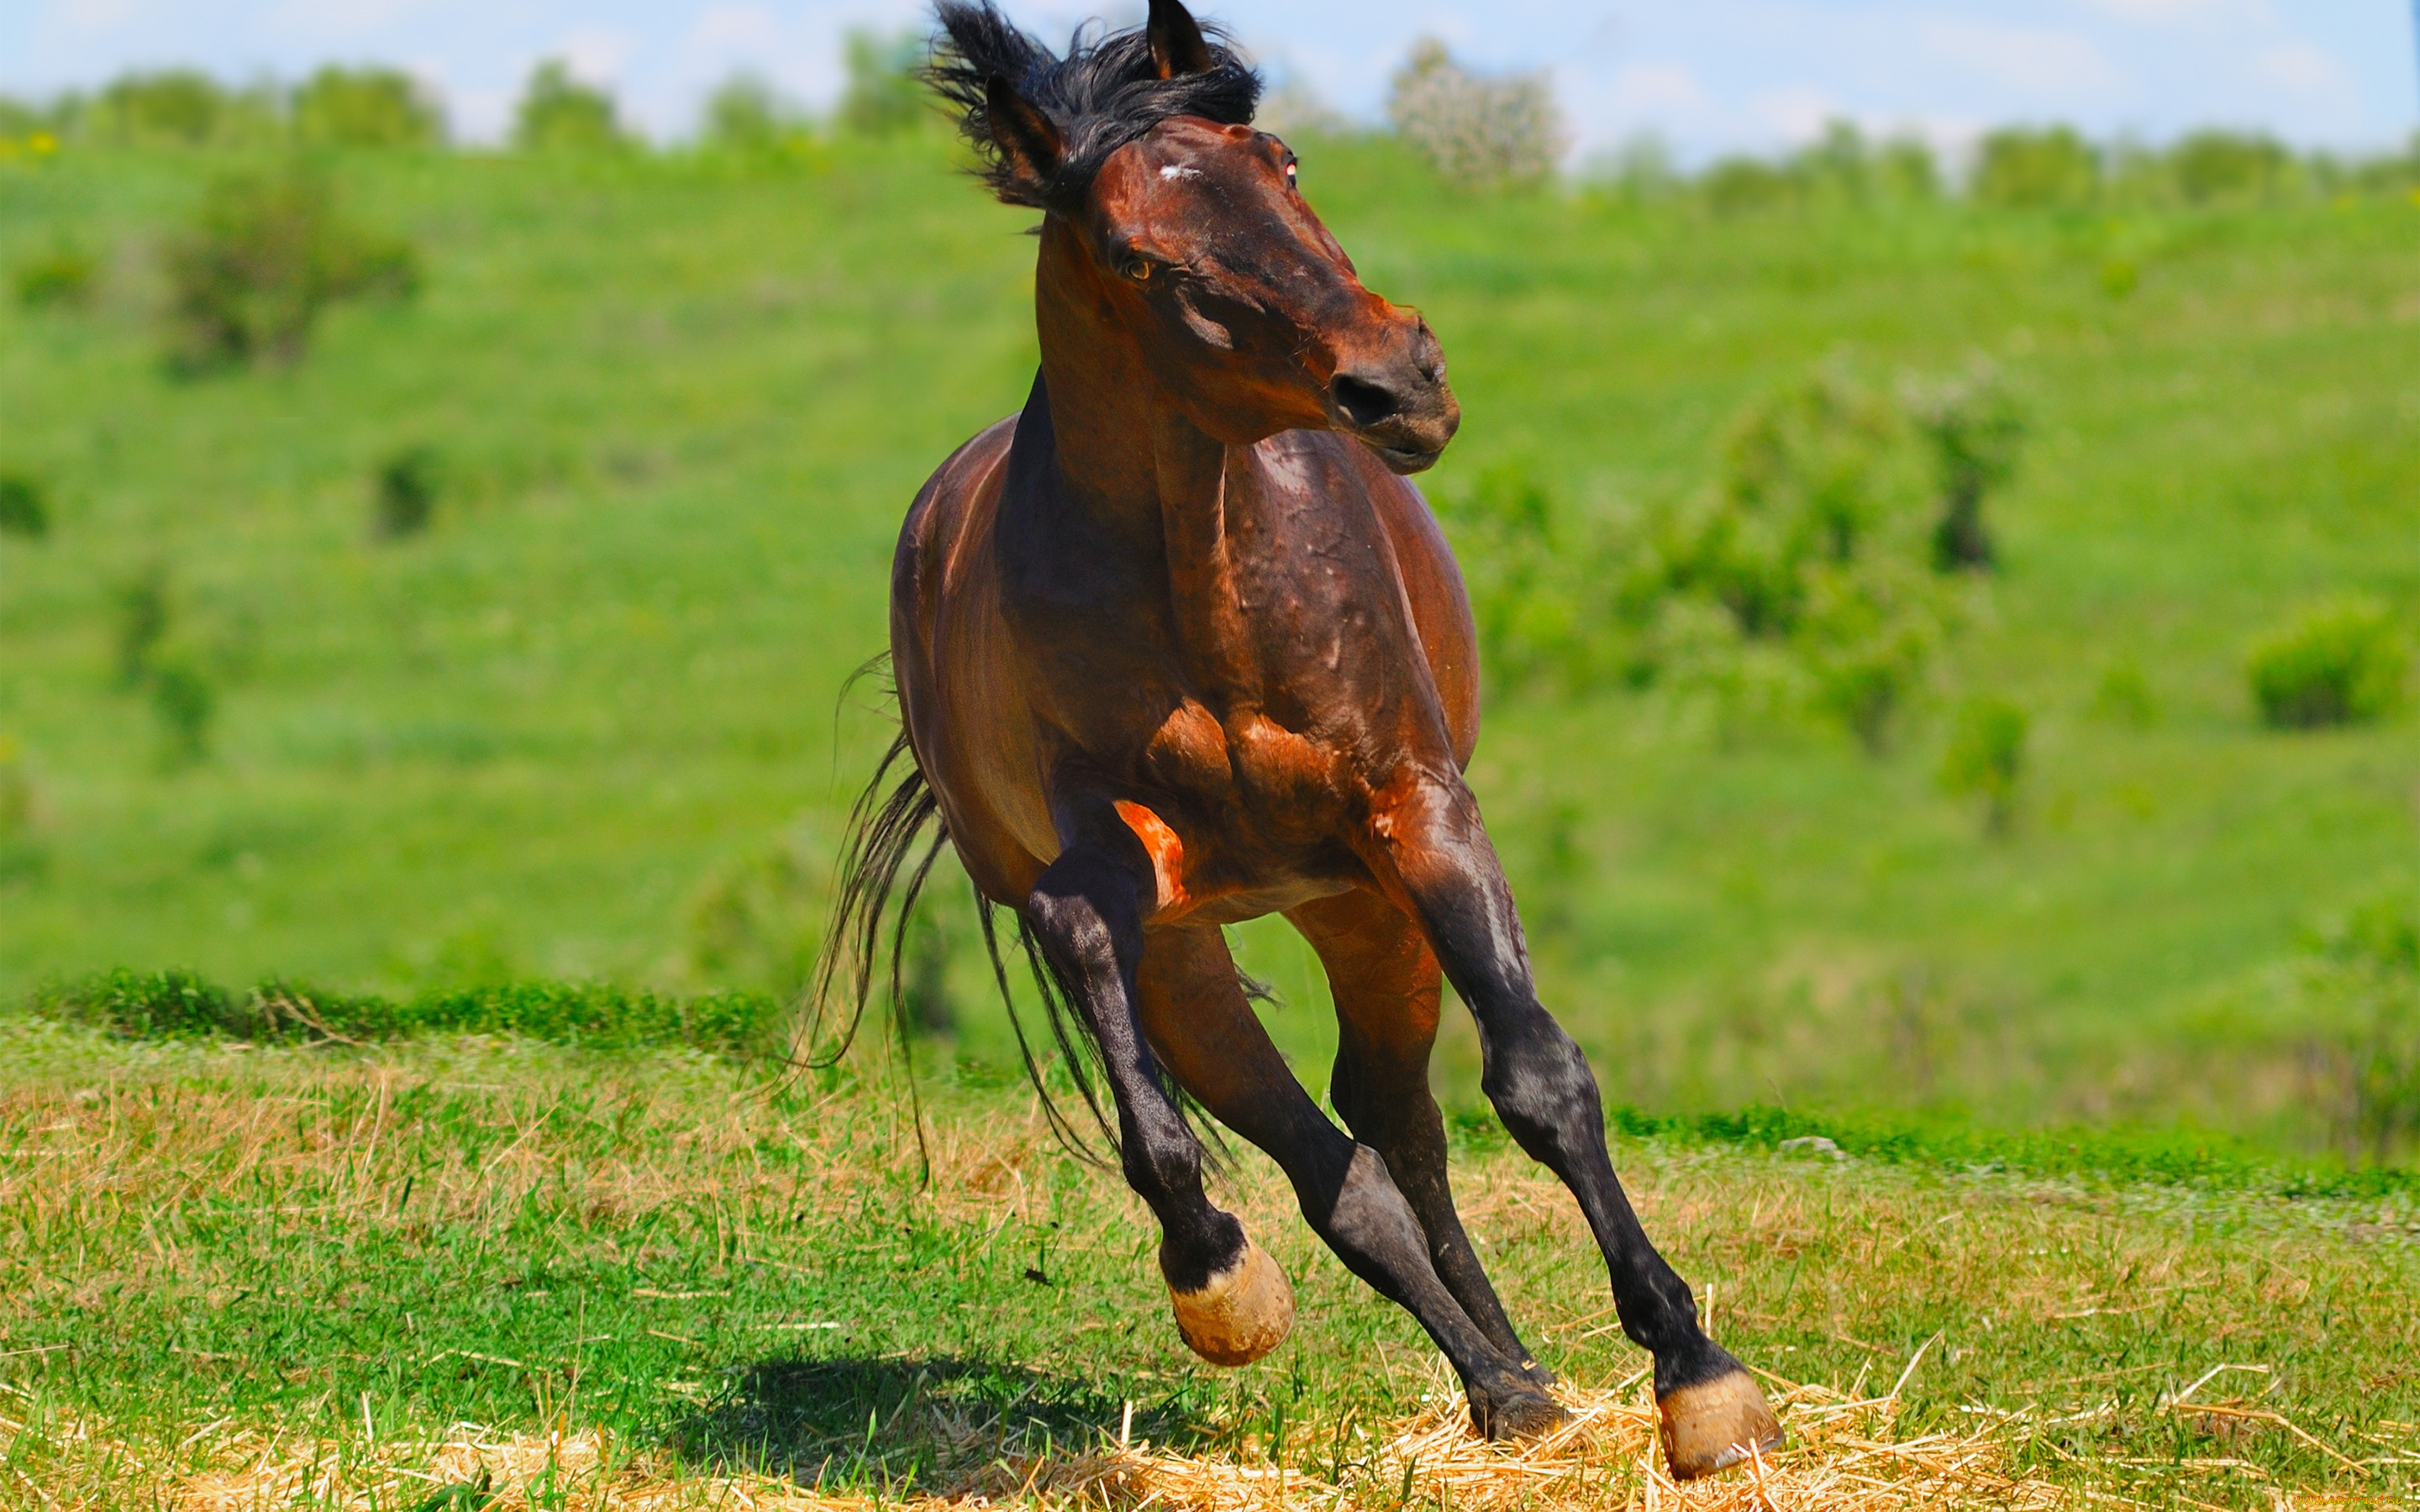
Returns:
<point x="265" y="253"/>
<point x="178" y="107"/>
<point x="1973" y="428"/>
<point x="366" y="108"/>
<point x="2213" y="167"/>
<point x="886" y="88"/>
<point x="558" y="113"/>
<point x="1986" y="758"/>
<point x="1742" y="186"/>
<point x="746" y="116"/>
<point x="1474" y="130"/>
<point x="2020" y="167"/>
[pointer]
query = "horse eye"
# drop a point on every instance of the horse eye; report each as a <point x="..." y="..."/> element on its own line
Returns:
<point x="1138" y="269"/>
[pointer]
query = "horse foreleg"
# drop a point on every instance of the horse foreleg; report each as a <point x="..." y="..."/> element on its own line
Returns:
<point x="1231" y="1302"/>
<point x="1431" y="847"/>
<point x="1385" y="981"/>
<point x="1193" y="1008"/>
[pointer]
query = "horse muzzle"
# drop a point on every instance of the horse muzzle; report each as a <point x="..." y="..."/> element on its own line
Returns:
<point x="1397" y="403"/>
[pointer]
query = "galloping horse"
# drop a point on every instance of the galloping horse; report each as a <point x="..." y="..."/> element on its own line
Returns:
<point x="1177" y="646"/>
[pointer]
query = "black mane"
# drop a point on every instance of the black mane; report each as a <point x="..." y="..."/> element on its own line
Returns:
<point x="1101" y="96"/>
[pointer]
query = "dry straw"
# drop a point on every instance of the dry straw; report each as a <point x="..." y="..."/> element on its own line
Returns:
<point x="1842" y="1456"/>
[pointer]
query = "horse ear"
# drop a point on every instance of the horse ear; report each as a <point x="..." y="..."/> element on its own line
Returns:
<point x="1176" y="43"/>
<point x="1030" y="147"/>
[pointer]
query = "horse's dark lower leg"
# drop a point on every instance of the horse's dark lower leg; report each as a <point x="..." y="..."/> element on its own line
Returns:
<point x="1543" y="1089"/>
<point x="1385" y="981"/>
<point x="1231" y="1302"/>
<point x="1196" y="1017"/>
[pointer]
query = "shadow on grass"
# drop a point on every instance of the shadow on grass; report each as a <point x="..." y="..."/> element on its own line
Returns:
<point x="939" y="1424"/>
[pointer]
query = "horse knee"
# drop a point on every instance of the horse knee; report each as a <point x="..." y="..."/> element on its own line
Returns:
<point x="1541" y="1087"/>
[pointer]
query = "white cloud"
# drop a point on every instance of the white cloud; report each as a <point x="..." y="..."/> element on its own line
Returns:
<point x="1797" y="112"/>
<point x="1646" y="89"/>
<point x="727" y="28"/>
<point x="2026" y="57"/>
<point x="2299" y="67"/>
<point x="98" y="15"/>
<point x="2159" y="11"/>
<point x="595" y="55"/>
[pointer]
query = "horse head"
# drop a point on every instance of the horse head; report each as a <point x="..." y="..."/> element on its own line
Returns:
<point x="1180" y="231"/>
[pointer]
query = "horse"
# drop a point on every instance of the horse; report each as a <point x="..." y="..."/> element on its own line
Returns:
<point x="1178" y="645"/>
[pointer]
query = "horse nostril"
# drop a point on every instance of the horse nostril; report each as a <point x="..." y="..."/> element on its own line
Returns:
<point x="1363" y="403"/>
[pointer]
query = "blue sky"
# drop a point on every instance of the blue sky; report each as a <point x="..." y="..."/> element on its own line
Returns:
<point x="1708" y="75"/>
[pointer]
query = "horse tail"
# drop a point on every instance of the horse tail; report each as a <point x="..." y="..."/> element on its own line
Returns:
<point x="895" y="838"/>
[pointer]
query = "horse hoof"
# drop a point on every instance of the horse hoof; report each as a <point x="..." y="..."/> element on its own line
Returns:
<point x="1242" y="1314"/>
<point x="1716" y="1424"/>
<point x="1516" y="1415"/>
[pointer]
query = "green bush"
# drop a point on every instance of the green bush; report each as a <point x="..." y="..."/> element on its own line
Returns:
<point x="559" y="113"/>
<point x="2341" y="662"/>
<point x="178" y="107"/>
<point x="1974" y="431"/>
<point x="2362" y="994"/>
<point x="747" y="118"/>
<point x="64" y="277"/>
<point x="365" y="108"/>
<point x="25" y="508"/>
<point x="140" y="606"/>
<point x="404" y="498"/>
<point x="265" y="255"/>
<point x="183" y="701"/>
<point x="2023" y="168"/>
<point x="1986" y="758"/>
<point x="2214" y="167"/>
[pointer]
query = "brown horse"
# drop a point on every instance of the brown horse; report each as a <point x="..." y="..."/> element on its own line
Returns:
<point x="1178" y="646"/>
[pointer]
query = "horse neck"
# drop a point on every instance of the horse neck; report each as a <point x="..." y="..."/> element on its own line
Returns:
<point x="1132" y="460"/>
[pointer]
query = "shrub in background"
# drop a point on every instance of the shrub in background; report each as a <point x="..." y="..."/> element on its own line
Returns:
<point x="182" y="701"/>
<point x="1474" y="130"/>
<point x="21" y="859"/>
<point x="24" y="507"/>
<point x="64" y="277"/>
<point x="365" y="108"/>
<point x="2025" y="168"/>
<point x="2361" y="982"/>
<point x="1974" y="429"/>
<point x="1986" y="758"/>
<point x="265" y="255"/>
<point x="178" y="107"/>
<point x="2340" y="662"/>
<point x="558" y="114"/>
<point x="140" y="606"/>
<point x="404" y="494"/>
<point x="746" y="118"/>
<point x="886" y="88"/>
<point x="2229" y="167"/>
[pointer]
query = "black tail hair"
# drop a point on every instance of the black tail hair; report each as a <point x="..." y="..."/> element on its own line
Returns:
<point x="897" y="827"/>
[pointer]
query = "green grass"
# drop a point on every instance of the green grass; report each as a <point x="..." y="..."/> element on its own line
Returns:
<point x="205" y="1243"/>
<point x="585" y="726"/>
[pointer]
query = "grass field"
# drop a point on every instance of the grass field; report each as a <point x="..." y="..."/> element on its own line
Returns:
<point x="245" y="1275"/>
<point x="586" y="726"/>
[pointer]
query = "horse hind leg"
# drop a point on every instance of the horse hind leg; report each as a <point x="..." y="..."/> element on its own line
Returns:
<point x="1195" y="1013"/>
<point x="1386" y="984"/>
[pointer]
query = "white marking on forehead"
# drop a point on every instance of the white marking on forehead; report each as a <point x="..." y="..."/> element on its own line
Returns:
<point x="1179" y="171"/>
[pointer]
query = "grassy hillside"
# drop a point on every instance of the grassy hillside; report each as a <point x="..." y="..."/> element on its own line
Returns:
<point x="586" y="725"/>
